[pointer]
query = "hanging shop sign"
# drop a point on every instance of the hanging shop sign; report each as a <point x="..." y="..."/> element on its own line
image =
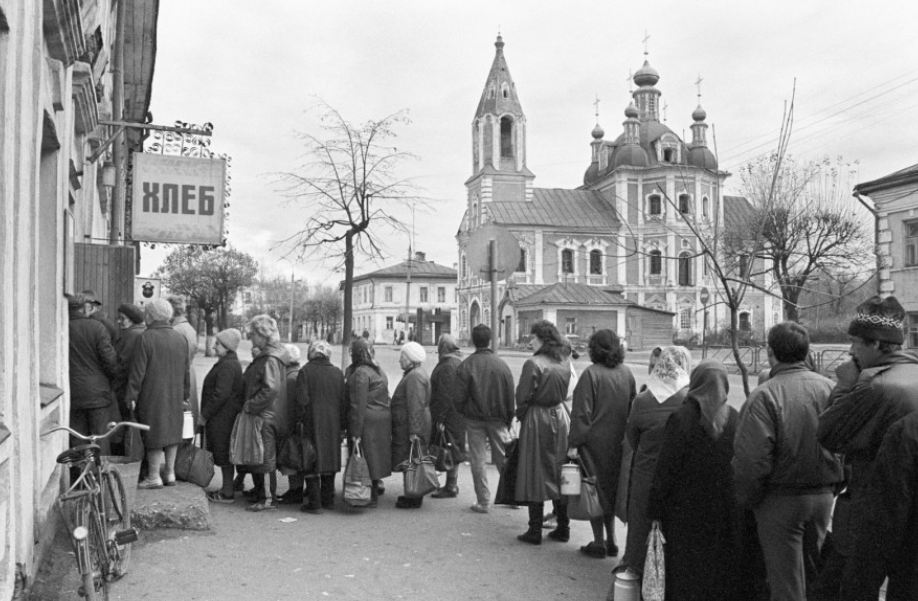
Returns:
<point x="146" y="290"/>
<point x="177" y="199"/>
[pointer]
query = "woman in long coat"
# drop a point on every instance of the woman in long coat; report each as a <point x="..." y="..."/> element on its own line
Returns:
<point x="410" y="411"/>
<point x="221" y="402"/>
<point x="602" y="400"/>
<point x="692" y="494"/>
<point x="443" y="410"/>
<point x="544" y="425"/>
<point x="369" y="417"/>
<point x="661" y="397"/>
<point x="319" y="407"/>
<point x="157" y="388"/>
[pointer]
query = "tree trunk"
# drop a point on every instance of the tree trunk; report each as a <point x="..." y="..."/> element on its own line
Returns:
<point x="348" y="295"/>
<point x="734" y="342"/>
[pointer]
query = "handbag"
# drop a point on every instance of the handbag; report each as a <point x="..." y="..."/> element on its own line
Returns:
<point x="297" y="452"/>
<point x="194" y="464"/>
<point x="447" y="454"/>
<point x="358" y="487"/>
<point x="585" y="506"/>
<point x="654" y="586"/>
<point x="506" y="486"/>
<point x="419" y="472"/>
<point x="246" y="445"/>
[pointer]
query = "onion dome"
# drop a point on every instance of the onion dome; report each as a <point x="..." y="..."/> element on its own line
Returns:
<point x="631" y="112"/>
<point x="630" y="155"/>
<point x="701" y="156"/>
<point x="646" y="75"/>
<point x="698" y="114"/>
<point x="598" y="132"/>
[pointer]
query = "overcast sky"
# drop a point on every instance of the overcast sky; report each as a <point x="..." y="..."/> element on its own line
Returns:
<point x="253" y="69"/>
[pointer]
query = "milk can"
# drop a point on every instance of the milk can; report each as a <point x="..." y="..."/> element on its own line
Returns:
<point x="570" y="479"/>
<point x="626" y="586"/>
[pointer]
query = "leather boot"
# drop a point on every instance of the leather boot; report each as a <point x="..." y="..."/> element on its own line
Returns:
<point x="313" y="502"/>
<point x="533" y="536"/>
<point x="328" y="491"/>
<point x="562" y="532"/>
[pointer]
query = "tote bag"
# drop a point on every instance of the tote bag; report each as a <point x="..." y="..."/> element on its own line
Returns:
<point x="586" y="505"/>
<point x="246" y="445"/>
<point x="420" y="473"/>
<point x="358" y="487"/>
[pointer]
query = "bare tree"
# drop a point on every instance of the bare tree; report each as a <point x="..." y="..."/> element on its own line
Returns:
<point x="348" y="186"/>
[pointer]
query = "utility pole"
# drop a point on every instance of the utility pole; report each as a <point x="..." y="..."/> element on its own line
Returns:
<point x="408" y="294"/>
<point x="117" y="208"/>
<point x="292" y="290"/>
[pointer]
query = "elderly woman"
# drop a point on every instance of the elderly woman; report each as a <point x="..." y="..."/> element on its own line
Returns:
<point x="443" y="409"/>
<point x="602" y="400"/>
<point x="221" y="402"/>
<point x="410" y="411"/>
<point x="130" y="319"/>
<point x="157" y="388"/>
<point x="660" y="398"/>
<point x="369" y="417"/>
<point x="692" y="493"/>
<point x="319" y="407"/>
<point x="266" y="395"/>
<point x="180" y="324"/>
<point x="544" y="425"/>
<point x="295" y="480"/>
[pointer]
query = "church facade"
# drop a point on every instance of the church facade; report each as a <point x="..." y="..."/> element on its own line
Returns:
<point x="633" y="231"/>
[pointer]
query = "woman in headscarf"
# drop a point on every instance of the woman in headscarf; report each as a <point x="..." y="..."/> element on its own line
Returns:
<point x="692" y="493"/>
<point x="544" y="425"/>
<point x="602" y="400"/>
<point x="369" y="417"/>
<point x="660" y="398"/>
<point x="221" y="401"/>
<point x="319" y="408"/>
<point x="410" y="411"/>
<point x="443" y="410"/>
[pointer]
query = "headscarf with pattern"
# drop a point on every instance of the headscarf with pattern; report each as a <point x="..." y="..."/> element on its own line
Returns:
<point x="670" y="373"/>
<point x="318" y="349"/>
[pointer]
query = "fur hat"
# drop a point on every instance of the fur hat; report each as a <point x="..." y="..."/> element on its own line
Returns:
<point x="158" y="310"/>
<point x="132" y="312"/>
<point x="230" y="338"/>
<point x="880" y="319"/>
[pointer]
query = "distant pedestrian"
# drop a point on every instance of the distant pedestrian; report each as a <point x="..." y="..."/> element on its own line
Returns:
<point x="484" y="397"/>
<point x="157" y="387"/>
<point x="544" y="425"/>
<point x="369" y="416"/>
<point x="602" y="401"/>
<point x="181" y="325"/>
<point x="444" y="407"/>
<point x="222" y="396"/>
<point x="410" y="411"/>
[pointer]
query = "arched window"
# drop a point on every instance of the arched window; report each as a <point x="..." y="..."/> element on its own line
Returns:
<point x="522" y="266"/>
<point x="656" y="262"/>
<point x="491" y="92"/>
<point x="668" y="155"/>
<point x="595" y="262"/>
<point x="704" y="207"/>
<point x="474" y="213"/>
<point x="655" y="205"/>
<point x="685" y="319"/>
<point x="685" y="206"/>
<point x="567" y="261"/>
<point x="685" y="270"/>
<point x="506" y="137"/>
<point x="464" y="267"/>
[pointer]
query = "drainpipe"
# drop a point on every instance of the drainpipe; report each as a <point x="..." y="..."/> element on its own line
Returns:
<point x="118" y="115"/>
<point x="876" y="232"/>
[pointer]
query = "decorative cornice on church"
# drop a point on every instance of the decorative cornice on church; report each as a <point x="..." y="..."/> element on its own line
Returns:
<point x="63" y="30"/>
<point x="86" y="109"/>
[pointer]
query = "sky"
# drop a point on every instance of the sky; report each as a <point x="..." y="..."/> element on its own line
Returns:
<point x="256" y="69"/>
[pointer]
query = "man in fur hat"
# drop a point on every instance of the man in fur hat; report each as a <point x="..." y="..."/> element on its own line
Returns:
<point x="878" y="387"/>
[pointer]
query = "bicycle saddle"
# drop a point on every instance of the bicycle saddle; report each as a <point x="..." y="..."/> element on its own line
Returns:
<point x="77" y="453"/>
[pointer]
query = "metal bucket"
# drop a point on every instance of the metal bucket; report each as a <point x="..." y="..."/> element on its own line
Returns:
<point x="570" y="479"/>
<point x="130" y="474"/>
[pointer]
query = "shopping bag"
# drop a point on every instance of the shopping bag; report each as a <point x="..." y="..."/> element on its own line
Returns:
<point x="586" y="505"/>
<point x="194" y="464"/>
<point x="506" y="486"/>
<point x="133" y="442"/>
<point x="654" y="586"/>
<point x="297" y="453"/>
<point x="447" y="454"/>
<point x="419" y="472"/>
<point x="358" y="486"/>
<point x="246" y="446"/>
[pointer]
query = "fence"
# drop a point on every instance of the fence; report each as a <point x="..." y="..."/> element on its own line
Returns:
<point x="756" y="358"/>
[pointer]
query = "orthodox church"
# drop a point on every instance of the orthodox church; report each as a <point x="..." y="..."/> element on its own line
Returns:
<point x="617" y="251"/>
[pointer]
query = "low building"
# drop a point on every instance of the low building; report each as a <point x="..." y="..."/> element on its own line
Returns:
<point x="388" y="303"/>
<point x="893" y="199"/>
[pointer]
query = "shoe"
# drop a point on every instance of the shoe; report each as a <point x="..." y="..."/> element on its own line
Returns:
<point x="250" y="495"/>
<point x="263" y="505"/>
<point x="561" y="535"/>
<point x="239" y="484"/>
<point x="288" y="499"/>
<point x="307" y="508"/>
<point x="328" y="505"/>
<point x="594" y="550"/>
<point x="611" y="549"/>
<point x="479" y="508"/>
<point x="217" y="497"/>
<point x="172" y="482"/>
<point x="446" y="492"/>
<point x="407" y="503"/>
<point x="148" y="484"/>
<point x="533" y="537"/>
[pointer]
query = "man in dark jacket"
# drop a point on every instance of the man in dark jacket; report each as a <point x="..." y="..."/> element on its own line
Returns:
<point x="93" y="364"/>
<point x="485" y="397"/>
<point x="875" y="389"/>
<point x="448" y="423"/>
<point x="95" y="311"/>
<point x="780" y="470"/>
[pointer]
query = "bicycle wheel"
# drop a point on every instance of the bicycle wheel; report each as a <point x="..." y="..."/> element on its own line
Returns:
<point x="118" y="516"/>
<point x="95" y="585"/>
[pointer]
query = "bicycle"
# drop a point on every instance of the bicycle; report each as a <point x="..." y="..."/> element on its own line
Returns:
<point x="96" y="513"/>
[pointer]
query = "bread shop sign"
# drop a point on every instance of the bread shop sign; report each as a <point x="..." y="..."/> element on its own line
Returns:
<point x="177" y="199"/>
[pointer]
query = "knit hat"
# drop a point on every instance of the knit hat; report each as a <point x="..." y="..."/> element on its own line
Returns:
<point x="880" y="319"/>
<point x="293" y="353"/>
<point x="414" y="352"/>
<point x="158" y="310"/>
<point x="132" y="312"/>
<point x="230" y="338"/>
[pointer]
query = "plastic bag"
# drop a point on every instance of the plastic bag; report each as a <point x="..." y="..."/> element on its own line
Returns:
<point x="246" y="445"/>
<point x="654" y="586"/>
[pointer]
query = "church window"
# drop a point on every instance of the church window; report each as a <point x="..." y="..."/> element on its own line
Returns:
<point x="744" y="322"/>
<point x="655" y="204"/>
<point x="474" y="214"/>
<point x="491" y="92"/>
<point x="595" y="262"/>
<point x="668" y="155"/>
<point x="685" y="319"/>
<point x="463" y="271"/>
<point x="506" y="137"/>
<point x="505" y="91"/>
<point x="567" y="261"/>
<point x="522" y="266"/>
<point x="704" y="207"/>
<point x="684" y="204"/>
<point x="656" y="262"/>
<point x="685" y="269"/>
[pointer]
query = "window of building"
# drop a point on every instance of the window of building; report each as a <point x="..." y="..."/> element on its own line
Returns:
<point x="913" y="330"/>
<point x="668" y="154"/>
<point x="388" y="293"/>
<point x="423" y="292"/>
<point x="595" y="262"/>
<point x="911" y="243"/>
<point x="463" y="271"/>
<point x="684" y="204"/>
<point x="743" y="265"/>
<point x="685" y="269"/>
<point x="441" y="294"/>
<point x="656" y="205"/>
<point x="491" y="92"/>
<point x="744" y="322"/>
<point x="567" y="261"/>
<point x="570" y="325"/>
<point x="390" y="322"/>
<point x="521" y="268"/>
<point x="505" y="91"/>
<point x="685" y="319"/>
<point x="506" y="137"/>
<point x="704" y="207"/>
<point x="656" y="262"/>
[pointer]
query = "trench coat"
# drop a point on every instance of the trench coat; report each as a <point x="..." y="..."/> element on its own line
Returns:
<point x="410" y="413"/>
<point x="320" y="407"/>
<point x="369" y="417"/>
<point x="221" y="401"/>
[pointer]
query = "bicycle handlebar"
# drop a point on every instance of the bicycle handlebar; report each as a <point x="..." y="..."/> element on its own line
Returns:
<point x="112" y="427"/>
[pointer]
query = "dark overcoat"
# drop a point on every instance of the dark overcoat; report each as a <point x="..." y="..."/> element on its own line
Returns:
<point x="221" y="401"/>
<point x="92" y="363"/>
<point x="410" y="413"/>
<point x="444" y="400"/>
<point x="124" y="348"/>
<point x="320" y="408"/>
<point x="159" y="382"/>
<point x="369" y="417"/>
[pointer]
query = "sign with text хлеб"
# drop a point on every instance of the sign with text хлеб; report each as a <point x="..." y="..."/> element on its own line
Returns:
<point x="178" y="199"/>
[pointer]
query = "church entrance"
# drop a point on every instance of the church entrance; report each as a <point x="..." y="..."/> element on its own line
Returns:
<point x="474" y="315"/>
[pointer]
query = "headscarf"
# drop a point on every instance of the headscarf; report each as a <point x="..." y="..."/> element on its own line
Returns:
<point x="362" y="353"/>
<point x="709" y="387"/>
<point x="670" y="373"/>
<point x="414" y="352"/>
<point x="448" y="346"/>
<point x="293" y="354"/>
<point x="319" y="349"/>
